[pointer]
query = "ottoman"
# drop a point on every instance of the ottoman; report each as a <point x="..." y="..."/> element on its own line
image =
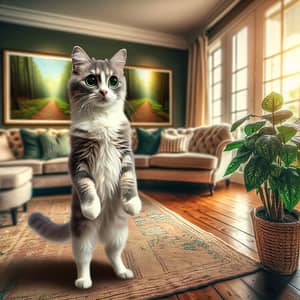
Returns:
<point x="15" y="189"/>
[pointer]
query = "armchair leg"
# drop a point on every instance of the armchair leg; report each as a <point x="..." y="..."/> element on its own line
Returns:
<point x="25" y="207"/>
<point x="14" y="213"/>
<point x="211" y="188"/>
<point x="227" y="182"/>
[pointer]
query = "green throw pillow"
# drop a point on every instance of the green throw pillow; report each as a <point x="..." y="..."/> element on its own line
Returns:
<point x="148" y="142"/>
<point x="54" y="146"/>
<point x="31" y="142"/>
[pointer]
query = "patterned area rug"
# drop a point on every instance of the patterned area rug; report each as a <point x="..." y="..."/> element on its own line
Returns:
<point x="167" y="254"/>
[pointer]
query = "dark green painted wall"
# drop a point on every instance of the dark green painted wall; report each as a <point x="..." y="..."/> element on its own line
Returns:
<point x="17" y="37"/>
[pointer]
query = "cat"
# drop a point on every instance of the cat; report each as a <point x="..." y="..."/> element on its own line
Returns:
<point x="101" y="166"/>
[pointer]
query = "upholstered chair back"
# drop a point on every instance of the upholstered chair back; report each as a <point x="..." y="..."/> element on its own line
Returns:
<point x="206" y="139"/>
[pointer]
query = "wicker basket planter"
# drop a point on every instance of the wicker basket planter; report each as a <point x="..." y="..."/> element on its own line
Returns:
<point x="278" y="244"/>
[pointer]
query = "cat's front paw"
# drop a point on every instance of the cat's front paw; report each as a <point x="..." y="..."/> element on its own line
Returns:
<point x="133" y="206"/>
<point x="91" y="208"/>
<point x="125" y="274"/>
<point x="83" y="283"/>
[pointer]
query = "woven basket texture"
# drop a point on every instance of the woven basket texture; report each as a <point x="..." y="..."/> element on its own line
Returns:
<point x="278" y="244"/>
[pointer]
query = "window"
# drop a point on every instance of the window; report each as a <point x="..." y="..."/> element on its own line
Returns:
<point x="239" y="75"/>
<point x="259" y="52"/>
<point x="215" y="84"/>
<point x="282" y="52"/>
<point x="229" y="67"/>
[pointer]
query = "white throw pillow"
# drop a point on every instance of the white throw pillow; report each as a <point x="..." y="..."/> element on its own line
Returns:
<point x="5" y="152"/>
<point x="174" y="143"/>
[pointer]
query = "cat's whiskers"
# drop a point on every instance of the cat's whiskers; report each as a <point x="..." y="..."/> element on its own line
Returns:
<point x="80" y="97"/>
<point x="85" y="106"/>
<point x="86" y="100"/>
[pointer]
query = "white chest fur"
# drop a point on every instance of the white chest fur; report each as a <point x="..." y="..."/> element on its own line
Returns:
<point x="108" y="165"/>
<point x="106" y="171"/>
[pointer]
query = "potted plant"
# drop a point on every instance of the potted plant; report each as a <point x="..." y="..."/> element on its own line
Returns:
<point x="270" y="155"/>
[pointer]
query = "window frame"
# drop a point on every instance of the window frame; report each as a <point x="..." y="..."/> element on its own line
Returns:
<point x="255" y="14"/>
<point x="211" y="83"/>
<point x="282" y="76"/>
<point x="225" y="40"/>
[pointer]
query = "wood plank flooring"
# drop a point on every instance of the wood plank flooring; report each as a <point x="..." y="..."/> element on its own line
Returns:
<point x="226" y="215"/>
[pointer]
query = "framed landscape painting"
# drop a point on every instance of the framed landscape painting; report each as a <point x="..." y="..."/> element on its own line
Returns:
<point x="35" y="89"/>
<point x="149" y="96"/>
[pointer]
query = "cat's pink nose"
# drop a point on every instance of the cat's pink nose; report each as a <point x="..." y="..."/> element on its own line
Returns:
<point x="103" y="92"/>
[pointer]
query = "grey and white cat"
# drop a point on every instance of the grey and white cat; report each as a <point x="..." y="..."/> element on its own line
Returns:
<point x="101" y="166"/>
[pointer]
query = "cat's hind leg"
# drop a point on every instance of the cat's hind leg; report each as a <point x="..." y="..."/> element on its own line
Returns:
<point x="83" y="247"/>
<point x="114" y="246"/>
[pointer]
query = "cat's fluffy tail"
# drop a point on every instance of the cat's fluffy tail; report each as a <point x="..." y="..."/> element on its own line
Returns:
<point x="48" y="229"/>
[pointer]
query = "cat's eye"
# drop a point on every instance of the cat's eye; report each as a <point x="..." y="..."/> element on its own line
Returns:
<point x="91" y="81"/>
<point x="113" y="82"/>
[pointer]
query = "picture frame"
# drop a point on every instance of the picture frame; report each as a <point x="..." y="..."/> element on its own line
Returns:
<point x="39" y="95"/>
<point x="35" y="88"/>
<point x="149" y="96"/>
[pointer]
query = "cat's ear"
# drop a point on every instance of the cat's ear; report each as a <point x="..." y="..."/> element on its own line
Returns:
<point x="80" y="59"/>
<point x="119" y="59"/>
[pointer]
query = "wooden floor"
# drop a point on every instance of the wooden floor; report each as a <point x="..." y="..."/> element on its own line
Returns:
<point x="226" y="215"/>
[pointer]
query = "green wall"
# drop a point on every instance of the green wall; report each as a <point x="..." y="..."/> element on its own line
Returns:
<point x="17" y="37"/>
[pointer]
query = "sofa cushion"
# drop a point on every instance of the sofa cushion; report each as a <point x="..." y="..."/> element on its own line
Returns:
<point x="14" y="176"/>
<point x="31" y="143"/>
<point x="174" y="142"/>
<point x="15" y="140"/>
<point x="5" y="152"/>
<point x="187" y="160"/>
<point x="54" y="146"/>
<point x="148" y="142"/>
<point x="56" y="165"/>
<point x="141" y="161"/>
<point x="36" y="164"/>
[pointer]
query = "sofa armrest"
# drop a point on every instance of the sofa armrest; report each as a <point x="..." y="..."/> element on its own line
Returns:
<point x="224" y="158"/>
<point x="220" y="149"/>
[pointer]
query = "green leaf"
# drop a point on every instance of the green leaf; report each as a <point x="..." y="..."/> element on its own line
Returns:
<point x="275" y="170"/>
<point x="243" y="150"/>
<point x="278" y="117"/>
<point x="268" y="147"/>
<point x="267" y="130"/>
<point x="253" y="127"/>
<point x="242" y="156"/>
<point x="288" y="187"/>
<point x="234" y="145"/>
<point x="286" y="132"/>
<point x="239" y="122"/>
<point x="272" y="102"/>
<point x="288" y="154"/>
<point x="256" y="172"/>
<point x="250" y="141"/>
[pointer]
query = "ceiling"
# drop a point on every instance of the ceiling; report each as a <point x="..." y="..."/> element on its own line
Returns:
<point x="180" y="18"/>
<point x="169" y="16"/>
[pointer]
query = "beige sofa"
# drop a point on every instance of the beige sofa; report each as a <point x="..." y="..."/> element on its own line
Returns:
<point x="205" y="161"/>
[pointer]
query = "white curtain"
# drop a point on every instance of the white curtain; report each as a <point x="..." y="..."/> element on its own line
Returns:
<point x="197" y="99"/>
